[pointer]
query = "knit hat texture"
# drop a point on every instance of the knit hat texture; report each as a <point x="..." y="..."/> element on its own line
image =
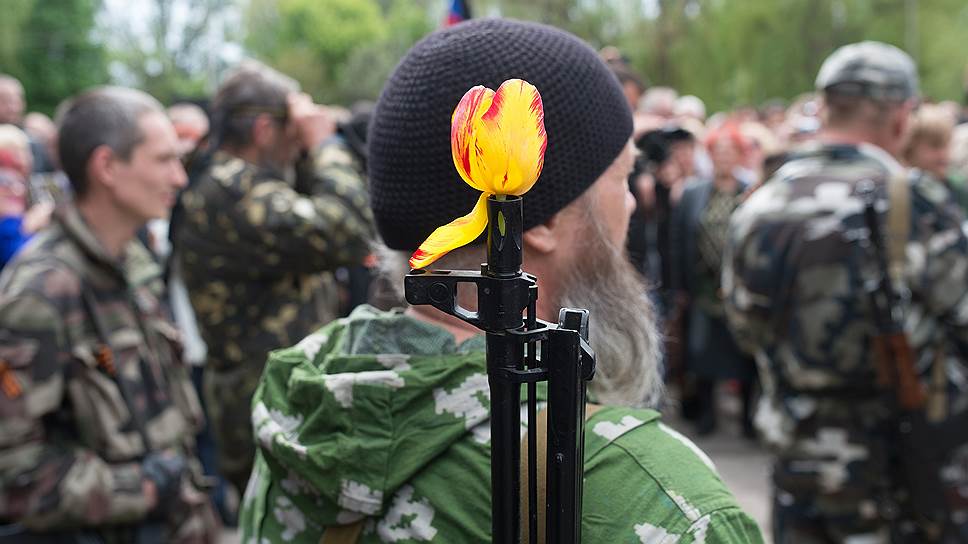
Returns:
<point x="414" y="187"/>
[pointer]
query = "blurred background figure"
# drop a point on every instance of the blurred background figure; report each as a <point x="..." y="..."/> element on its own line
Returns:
<point x="763" y="146"/>
<point x="959" y="155"/>
<point x="699" y="229"/>
<point x="802" y="120"/>
<point x="12" y="107"/>
<point x="265" y="220"/>
<point x="773" y="114"/>
<point x="19" y="218"/>
<point x="98" y="412"/>
<point x="41" y="129"/>
<point x="12" y="102"/>
<point x="665" y="163"/>
<point x="659" y="102"/>
<point x="632" y="84"/>
<point x="191" y="125"/>
<point x="928" y="147"/>
<point x="690" y="107"/>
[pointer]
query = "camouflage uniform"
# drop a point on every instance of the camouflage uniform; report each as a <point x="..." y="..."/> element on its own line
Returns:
<point x="254" y="252"/>
<point x="383" y="418"/>
<point x="796" y="276"/>
<point x="92" y="382"/>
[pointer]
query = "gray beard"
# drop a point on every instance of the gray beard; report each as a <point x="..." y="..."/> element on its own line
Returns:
<point x="623" y="329"/>
<point x="622" y="324"/>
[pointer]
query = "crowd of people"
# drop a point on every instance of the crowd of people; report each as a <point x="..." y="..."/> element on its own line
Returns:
<point x="190" y="335"/>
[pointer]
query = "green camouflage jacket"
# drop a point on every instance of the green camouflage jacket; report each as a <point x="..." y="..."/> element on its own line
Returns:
<point x="796" y="277"/>
<point x="255" y="253"/>
<point x="383" y="417"/>
<point x="254" y="248"/>
<point x="90" y="370"/>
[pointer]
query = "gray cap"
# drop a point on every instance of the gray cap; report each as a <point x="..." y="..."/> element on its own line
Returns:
<point x="870" y="69"/>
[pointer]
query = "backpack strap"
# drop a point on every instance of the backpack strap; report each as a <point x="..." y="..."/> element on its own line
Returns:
<point x="541" y="426"/>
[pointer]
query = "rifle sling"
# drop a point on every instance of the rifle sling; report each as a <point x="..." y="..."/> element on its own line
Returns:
<point x="898" y="224"/>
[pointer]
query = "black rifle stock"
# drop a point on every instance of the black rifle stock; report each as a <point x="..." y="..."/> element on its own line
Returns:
<point x="522" y="349"/>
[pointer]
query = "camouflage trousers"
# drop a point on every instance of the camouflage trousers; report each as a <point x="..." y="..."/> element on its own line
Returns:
<point x="228" y="398"/>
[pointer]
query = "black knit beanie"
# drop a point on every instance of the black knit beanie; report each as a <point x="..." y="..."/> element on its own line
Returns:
<point x="413" y="183"/>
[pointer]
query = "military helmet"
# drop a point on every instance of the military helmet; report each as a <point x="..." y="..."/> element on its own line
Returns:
<point x="869" y="69"/>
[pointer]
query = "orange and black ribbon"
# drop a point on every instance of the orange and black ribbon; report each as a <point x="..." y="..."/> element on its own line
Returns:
<point x="9" y="382"/>
<point x="105" y="359"/>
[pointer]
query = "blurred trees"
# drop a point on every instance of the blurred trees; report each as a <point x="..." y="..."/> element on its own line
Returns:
<point x="339" y="50"/>
<point x="51" y="47"/>
<point x="732" y="52"/>
<point x="736" y="52"/>
<point x="729" y="52"/>
<point x="172" y="48"/>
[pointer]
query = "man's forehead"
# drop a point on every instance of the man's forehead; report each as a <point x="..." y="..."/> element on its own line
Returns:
<point x="11" y="86"/>
<point x="155" y="126"/>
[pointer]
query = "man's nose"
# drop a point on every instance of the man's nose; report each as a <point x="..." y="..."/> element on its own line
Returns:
<point x="180" y="177"/>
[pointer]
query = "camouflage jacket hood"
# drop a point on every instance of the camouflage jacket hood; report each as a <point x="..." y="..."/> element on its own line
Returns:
<point x="334" y="410"/>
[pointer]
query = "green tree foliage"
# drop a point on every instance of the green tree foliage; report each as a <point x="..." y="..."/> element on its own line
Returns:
<point x="52" y="48"/>
<point x="737" y="52"/>
<point x="15" y="12"/>
<point x="339" y="50"/>
<point x="173" y="55"/>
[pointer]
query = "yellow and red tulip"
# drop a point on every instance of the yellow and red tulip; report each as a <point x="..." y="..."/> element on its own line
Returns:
<point x="498" y="142"/>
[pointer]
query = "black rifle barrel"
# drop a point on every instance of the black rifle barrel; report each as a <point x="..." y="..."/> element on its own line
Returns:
<point x="505" y="354"/>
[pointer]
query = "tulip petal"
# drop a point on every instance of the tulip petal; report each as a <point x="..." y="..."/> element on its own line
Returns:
<point x="463" y="125"/>
<point x="453" y="235"/>
<point x="510" y="140"/>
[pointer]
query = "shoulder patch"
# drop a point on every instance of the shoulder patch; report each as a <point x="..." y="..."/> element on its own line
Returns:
<point x="610" y="430"/>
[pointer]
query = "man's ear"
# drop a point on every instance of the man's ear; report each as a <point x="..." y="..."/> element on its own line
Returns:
<point x="544" y="238"/>
<point x="101" y="165"/>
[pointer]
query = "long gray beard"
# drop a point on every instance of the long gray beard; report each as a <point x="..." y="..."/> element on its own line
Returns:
<point x="623" y="330"/>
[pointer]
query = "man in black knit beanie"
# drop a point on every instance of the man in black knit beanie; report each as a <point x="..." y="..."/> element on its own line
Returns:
<point x="375" y="428"/>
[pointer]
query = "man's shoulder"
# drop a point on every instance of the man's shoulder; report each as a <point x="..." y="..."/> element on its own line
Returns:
<point x="227" y="178"/>
<point x="668" y="457"/>
<point x="657" y="478"/>
<point x="816" y="180"/>
<point x="336" y="152"/>
<point x="50" y="266"/>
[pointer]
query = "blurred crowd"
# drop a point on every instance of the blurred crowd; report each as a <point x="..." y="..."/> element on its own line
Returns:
<point x="693" y="170"/>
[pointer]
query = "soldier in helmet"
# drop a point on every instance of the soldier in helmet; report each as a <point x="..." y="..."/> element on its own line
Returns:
<point x="799" y="268"/>
<point x="98" y="413"/>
